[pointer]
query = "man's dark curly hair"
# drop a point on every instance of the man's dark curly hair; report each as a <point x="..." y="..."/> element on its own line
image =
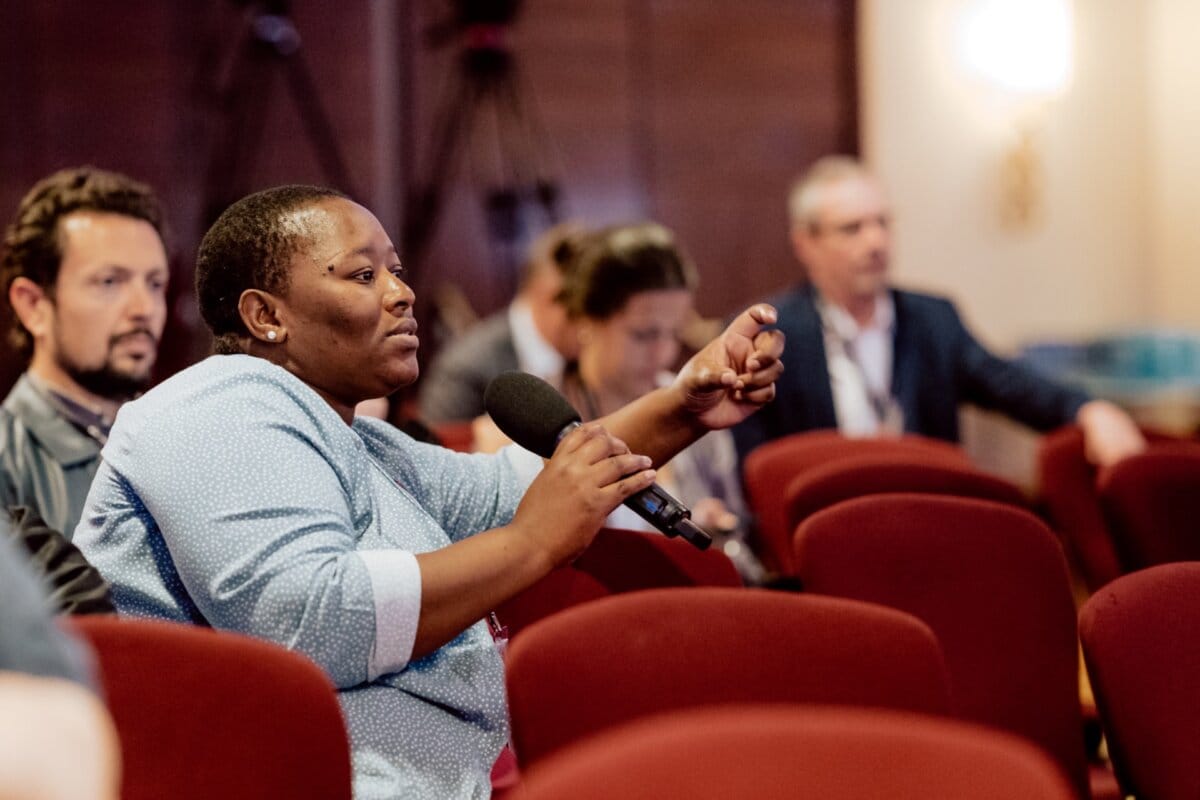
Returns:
<point x="613" y="264"/>
<point x="33" y="243"/>
<point x="249" y="247"/>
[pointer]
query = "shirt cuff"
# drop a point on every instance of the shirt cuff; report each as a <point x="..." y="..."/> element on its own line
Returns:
<point x="396" y="588"/>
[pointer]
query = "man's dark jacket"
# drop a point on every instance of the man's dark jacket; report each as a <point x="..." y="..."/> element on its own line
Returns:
<point x="937" y="366"/>
<point x="46" y="463"/>
<point x="46" y="469"/>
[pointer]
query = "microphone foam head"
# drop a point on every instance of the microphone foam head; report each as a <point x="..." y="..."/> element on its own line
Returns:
<point x="530" y="411"/>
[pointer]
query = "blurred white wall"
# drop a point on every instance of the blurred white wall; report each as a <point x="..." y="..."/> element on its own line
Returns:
<point x="1174" y="161"/>
<point x="938" y="136"/>
<point x="1115" y="240"/>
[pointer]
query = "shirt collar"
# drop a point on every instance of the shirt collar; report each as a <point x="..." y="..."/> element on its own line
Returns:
<point x="845" y="327"/>
<point x="534" y="354"/>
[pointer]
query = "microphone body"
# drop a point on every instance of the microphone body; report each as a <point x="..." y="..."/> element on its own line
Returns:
<point x="533" y="414"/>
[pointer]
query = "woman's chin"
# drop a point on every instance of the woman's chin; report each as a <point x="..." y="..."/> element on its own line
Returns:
<point x="402" y="372"/>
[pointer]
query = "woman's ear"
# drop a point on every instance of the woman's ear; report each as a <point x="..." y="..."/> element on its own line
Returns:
<point x="259" y="313"/>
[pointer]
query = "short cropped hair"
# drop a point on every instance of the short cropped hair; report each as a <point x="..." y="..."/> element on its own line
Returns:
<point x="33" y="242"/>
<point x="614" y="264"/>
<point x="554" y="248"/>
<point x="249" y="247"/>
<point x="803" y="199"/>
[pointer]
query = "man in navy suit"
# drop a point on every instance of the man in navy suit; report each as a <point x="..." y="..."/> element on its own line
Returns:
<point x="869" y="359"/>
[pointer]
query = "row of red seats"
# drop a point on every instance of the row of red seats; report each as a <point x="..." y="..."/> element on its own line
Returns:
<point x="1134" y="515"/>
<point x="987" y="578"/>
<point x="213" y="714"/>
<point x="767" y="667"/>
<point x="989" y="581"/>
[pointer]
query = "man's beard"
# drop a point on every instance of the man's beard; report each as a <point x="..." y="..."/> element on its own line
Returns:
<point x="107" y="381"/>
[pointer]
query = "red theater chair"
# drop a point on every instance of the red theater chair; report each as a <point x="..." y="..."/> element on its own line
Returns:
<point x="784" y="752"/>
<point x="1152" y="504"/>
<point x="1143" y="658"/>
<point x="203" y="714"/>
<point x="563" y="588"/>
<point x="769" y="469"/>
<point x="618" y="561"/>
<point x="628" y="560"/>
<point x="626" y="656"/>
<point x="458" y="436"/>
<point x="824" y="486"/>
<point x="992" y="582"/>
<point x="1067" y="488"/>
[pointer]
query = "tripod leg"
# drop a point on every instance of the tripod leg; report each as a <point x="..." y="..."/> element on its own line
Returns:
<point x="243" y="100"/>
<point x="526" y="144"/>
<point x="423" y="204"/>
<point x="255" y="104"/>
<point x="316" y="121"/>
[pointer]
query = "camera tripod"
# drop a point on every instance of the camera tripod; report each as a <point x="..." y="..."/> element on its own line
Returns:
<point x="485" y="86"/>
<point x="270" y="43"/>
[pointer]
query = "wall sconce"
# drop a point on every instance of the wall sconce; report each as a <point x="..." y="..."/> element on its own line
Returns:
<point x="1023" y="51"/>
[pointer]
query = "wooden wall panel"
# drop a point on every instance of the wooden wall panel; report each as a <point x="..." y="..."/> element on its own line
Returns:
<point x="741" y="102"/>
<point x="694" y="112"/>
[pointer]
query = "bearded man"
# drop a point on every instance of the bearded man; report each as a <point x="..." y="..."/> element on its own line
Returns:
<point x="85" y="268"/>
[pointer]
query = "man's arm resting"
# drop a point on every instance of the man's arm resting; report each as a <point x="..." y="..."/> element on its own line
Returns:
<point x="1109" y="434"/>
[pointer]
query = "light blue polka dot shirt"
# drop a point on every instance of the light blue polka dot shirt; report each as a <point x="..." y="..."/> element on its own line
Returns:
<point x="233" y="494"/>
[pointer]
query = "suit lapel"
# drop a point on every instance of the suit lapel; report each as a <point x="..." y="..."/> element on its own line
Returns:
<point x="812" y="364"/>
<point x="905" y="363"/>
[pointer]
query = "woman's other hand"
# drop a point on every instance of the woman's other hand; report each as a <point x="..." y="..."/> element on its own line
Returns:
<point x="735" y="373"/>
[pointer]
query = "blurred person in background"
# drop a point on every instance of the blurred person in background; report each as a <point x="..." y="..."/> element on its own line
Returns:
<point x="868" y="359"/>
<point x="532" y="334"/>
<point x="630" y="295"/>
<point x="48" y="713"/>
<point x="84" y="267"/>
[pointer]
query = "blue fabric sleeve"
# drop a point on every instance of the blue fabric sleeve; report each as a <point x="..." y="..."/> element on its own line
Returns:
<point x="258" y="522"/>
<point x="466" y="493"/>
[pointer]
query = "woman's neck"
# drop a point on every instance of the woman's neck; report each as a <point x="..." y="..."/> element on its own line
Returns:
<point x="595" y="398"/>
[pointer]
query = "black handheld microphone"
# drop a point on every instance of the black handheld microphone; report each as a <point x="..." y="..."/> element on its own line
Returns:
<point x="533" y="414"/>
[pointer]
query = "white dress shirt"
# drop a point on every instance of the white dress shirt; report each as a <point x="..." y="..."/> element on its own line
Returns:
<point x="534" y="354"/>
<point x="859" y="360"/>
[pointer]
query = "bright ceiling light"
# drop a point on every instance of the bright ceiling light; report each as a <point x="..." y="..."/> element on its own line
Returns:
<point x="1021" y="46"/>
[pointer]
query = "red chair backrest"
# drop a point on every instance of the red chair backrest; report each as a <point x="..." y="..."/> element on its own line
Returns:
<point x="1070" y="501"/>
<point x="563" y="588"/>
<point x="822" y="487"/>
<point x="989" y="579"/>
<point x="1143" y="658"/>
<point x="203" y="713"/>
<point x="769" y="468"/>
<point x="1067" y="485"/>
<point x="629" y="655"/>
<point x="784" y="752"/>
<point x="618" y="561"/>
<point x="624" y="561"/>
<point x="1152" y="504"/>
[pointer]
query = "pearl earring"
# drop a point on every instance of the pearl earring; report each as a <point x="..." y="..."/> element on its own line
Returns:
<point x="271" y="335"/>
